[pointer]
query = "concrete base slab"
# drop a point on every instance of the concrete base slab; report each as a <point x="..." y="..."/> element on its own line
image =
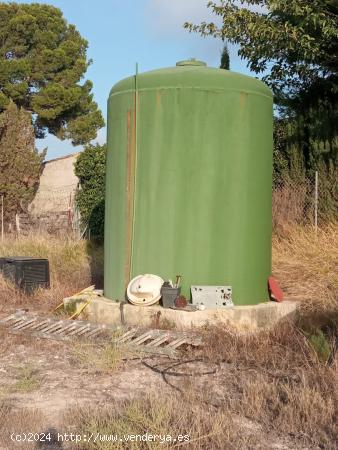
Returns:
<point x="242" y="318"/>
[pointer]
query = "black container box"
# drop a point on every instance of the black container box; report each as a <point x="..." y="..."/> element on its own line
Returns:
<point x="26" y="273"/>
<point x="169" y="295"/>
<point x="2" y="263"/>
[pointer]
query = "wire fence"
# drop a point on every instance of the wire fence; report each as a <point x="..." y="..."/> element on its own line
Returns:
<point x="53" y="211"/>
<point x="297" y="202"/>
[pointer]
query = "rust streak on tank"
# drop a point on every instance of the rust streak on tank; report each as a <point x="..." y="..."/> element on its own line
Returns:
<point x="129" y="196"/>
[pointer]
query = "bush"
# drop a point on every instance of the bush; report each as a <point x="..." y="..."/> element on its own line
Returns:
<point x="90" y="168"/>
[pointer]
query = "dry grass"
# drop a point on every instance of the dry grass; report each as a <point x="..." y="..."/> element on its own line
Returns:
<point x="281" y="349"/>
<point x="306" y="265"/>
<point x="18" y="421"/>
<point x="239" y="410"/>
<point x="290" y="205"/>
<point x="73" y="264"/>
<point x="66" y="256"/>
<point x="192" y="425"/>
<point x="276" y="378"/>
<point x="299" y="408"/>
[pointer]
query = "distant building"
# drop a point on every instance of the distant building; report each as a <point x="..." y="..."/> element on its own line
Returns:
<point x="53" y="207"/>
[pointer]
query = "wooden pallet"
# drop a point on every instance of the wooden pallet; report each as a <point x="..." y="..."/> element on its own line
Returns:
<point x="149" y="341"/>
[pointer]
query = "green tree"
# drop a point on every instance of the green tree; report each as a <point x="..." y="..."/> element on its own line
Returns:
<point x="90" y="168"/>
<point x="295" y="41"/>
<point x="280" y="156"/>
<point x="294" y="45"/>
<point x="225" y="58"/>
<point x="43" y="60"/>
<point x="20" y="162"/>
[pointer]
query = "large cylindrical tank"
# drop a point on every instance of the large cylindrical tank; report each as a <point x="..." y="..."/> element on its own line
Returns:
<point x="189" y="177"/>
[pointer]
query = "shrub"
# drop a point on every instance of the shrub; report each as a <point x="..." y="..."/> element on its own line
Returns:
<point x="90" y="168"/>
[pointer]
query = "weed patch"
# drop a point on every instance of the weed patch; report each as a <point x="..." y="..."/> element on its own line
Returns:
<point x="97" y="358"/>
<point x="27" y="380"/>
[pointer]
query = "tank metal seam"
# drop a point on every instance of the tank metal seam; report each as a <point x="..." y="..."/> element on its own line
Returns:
<point x="129" y="193"/>
<point x="215" y="90"/>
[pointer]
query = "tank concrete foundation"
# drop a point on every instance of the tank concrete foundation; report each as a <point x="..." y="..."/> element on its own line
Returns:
<point x="243" y="318"/>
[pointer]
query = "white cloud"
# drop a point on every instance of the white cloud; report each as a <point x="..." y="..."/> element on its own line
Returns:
<point x="168" y="16"/>
<point x="165" y="19"/>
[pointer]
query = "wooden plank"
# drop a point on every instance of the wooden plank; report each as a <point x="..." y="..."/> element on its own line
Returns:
<point x="40" y="324"/>
<point x="139" y="340"/>
<point x="51" y="328"/>
<point x="73" y="333"/>
<point x="127" y="336"/>
<point x="94" y="332"/>
<point x="158" y="341"/>
<point x="7" y="318"/>
<point x="44" y="327"/>
<point x="17" y="321"/>
<point x="177" y="342"/>
<point x="65" y="330"/>
<point x="24" y="325"/>
<point x="49" y="336"/>
<point x="81" y="333"/>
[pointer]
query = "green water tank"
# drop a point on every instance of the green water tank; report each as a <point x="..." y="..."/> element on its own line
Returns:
<point x="189" y="180"/>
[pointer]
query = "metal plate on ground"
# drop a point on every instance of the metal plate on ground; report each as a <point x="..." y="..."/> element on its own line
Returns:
<point x="212" y="296"/>
<point x="149" y="341"/>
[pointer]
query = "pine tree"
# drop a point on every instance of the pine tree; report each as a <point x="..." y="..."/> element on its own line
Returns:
<point x="42" y="66"/>
<point x="20" y="162"/>
<point x="225" y="58"/>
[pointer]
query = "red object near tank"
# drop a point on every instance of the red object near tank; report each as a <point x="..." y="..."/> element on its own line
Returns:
<point x="181" y="301"/>
<point x="276" y="292"/>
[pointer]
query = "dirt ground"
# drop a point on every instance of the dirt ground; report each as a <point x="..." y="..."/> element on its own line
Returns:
<point x="57" y="381"/>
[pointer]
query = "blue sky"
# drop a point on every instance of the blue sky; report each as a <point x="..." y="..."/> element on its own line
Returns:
<point x="123" y="32"/>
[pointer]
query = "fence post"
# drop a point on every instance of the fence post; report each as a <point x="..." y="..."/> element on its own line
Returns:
<point x="17" y="223"/>
<point x="316" y="201"/>
<point x="2" y="218"/>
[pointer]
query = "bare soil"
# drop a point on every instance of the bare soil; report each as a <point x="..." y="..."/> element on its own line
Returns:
<point x="65" y="383"/>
